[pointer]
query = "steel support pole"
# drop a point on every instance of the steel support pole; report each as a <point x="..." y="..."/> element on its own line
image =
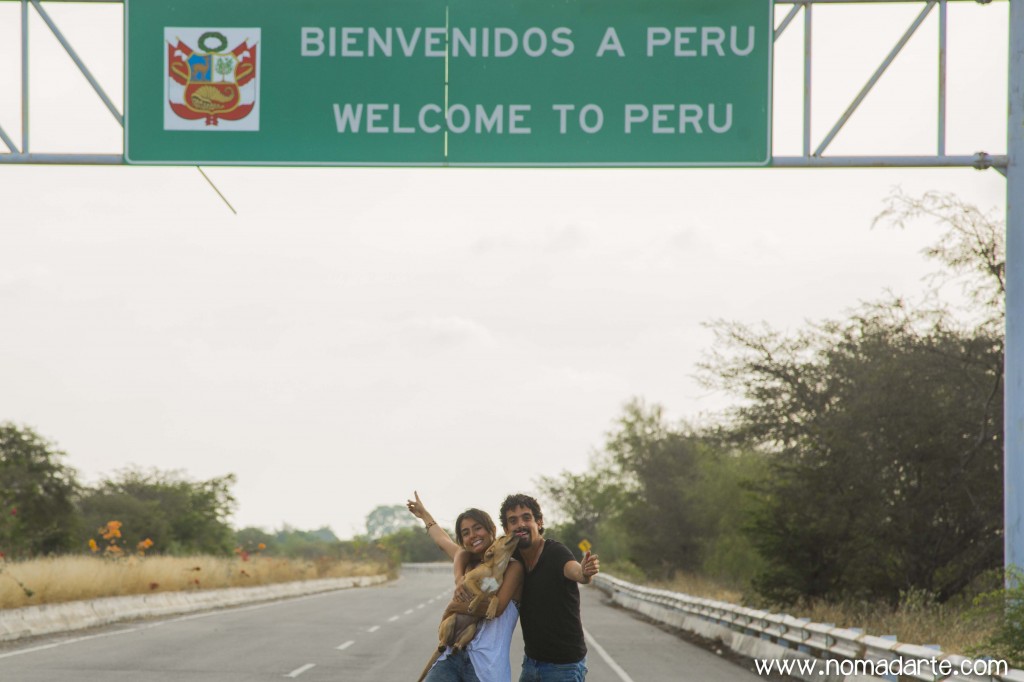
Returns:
<point x="24" y="76"/>
<point x="1013" y="415"/>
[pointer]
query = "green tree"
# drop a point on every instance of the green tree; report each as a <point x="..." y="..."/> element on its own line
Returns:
<point x="971" y="248"/>
<point x="886" y="451"/>
<point x="883" y="432"/>
<point x="660" y="498"/>
<point x="387" y="520"/>
<point x="306" y="544"/>
<point x="225" y="66"/>
<point x="250" y="538"/>
<point x="588" y="506"/>
<point x="37" y="513"/>
<point x="180" y="515"/>
<point x="728" y="478"/>
<point x="664" y="515"/>
<point x="412" y="545"/>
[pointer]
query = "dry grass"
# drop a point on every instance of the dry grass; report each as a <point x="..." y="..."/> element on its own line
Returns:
<point x="915" y="621"/>
<point x="72" y="578"/>
<point x="944" y="625"/>
<point x="700" y="586"/>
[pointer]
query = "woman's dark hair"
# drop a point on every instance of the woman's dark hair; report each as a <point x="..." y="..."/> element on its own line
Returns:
<point x="478" y="515"/>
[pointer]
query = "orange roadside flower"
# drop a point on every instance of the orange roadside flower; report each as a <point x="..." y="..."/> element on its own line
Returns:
<point x="111" y="530"/>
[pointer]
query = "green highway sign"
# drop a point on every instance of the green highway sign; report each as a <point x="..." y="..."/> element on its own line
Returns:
<point x="642" y="83"/>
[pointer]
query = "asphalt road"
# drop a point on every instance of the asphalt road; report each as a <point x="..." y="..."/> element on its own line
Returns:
<point x="383" y="633"/>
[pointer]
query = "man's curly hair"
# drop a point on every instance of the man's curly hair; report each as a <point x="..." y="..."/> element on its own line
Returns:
<point x="521" y="500"/>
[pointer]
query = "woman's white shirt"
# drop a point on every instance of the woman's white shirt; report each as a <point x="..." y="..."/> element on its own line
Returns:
<point x="490" y="649"/>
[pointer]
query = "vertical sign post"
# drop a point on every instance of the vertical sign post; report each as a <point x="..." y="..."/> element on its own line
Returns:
<point x="1013" y="375"/>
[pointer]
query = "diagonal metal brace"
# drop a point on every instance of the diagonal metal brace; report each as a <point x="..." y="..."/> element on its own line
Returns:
<point x="78" y="62"/>
<point x="7" y="141"/>
<point x="786" y="22"/>
<point x="874" y="78"/>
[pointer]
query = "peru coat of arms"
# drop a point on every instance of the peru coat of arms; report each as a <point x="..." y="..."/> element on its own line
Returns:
<point x="212" y="79"/>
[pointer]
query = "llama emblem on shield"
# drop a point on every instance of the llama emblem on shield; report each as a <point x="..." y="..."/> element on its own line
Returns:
<point x="212" y="79"/>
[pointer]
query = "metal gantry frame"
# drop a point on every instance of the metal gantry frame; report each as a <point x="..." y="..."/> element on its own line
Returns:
<point x="808" y="159"/>
<point x="1010" y="164"/>
<point x="816" y="159"/>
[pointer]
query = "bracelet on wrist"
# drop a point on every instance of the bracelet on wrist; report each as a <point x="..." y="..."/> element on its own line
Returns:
<point x="432" y="523"/>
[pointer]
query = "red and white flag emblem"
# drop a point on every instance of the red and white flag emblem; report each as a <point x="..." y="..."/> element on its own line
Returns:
<point x="212" y="79"/>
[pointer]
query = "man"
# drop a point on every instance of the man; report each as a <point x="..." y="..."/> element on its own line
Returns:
<point x="550" y="607"/>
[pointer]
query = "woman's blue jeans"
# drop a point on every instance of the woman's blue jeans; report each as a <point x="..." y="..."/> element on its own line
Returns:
<point x="456" y="667"/>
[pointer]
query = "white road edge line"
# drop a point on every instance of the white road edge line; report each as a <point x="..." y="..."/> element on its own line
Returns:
<point x="32" y="650"/>
<point x="607" y="659"/>
<point x="346" y="645"/>
<point x="86" y="638"/>
<point x="299" y="671"/>
<point x="177" y="619"/>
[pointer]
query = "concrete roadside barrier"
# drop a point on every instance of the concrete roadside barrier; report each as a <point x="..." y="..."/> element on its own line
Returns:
<point x="47" y="619"/>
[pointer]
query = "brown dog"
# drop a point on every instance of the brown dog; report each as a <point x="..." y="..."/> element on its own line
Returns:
<point x="458" y="624"/>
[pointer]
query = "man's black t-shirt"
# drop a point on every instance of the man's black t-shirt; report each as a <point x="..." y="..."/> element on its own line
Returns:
<point x="550" y="609"/>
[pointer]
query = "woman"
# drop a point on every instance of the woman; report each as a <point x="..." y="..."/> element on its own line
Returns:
<point x="486" y="658"/>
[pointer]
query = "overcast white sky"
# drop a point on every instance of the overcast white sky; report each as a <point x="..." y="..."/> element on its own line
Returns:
<point x="352" y="335"/>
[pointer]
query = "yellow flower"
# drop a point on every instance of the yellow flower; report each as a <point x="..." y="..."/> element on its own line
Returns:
<point x="93" y="546"/>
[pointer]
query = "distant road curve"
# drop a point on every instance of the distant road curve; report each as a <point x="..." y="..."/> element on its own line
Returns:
<point x="382" y="633"/>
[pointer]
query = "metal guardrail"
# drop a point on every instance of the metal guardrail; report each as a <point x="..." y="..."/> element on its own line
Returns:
<point x="799" y="635"/>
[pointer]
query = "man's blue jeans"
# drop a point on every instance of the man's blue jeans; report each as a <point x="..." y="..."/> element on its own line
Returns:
<point x="456" y="667"/>
<point x="538" y="671"/>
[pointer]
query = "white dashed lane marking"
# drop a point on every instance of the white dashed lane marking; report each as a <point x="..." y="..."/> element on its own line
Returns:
<point x="346" y="645"/>
<point x="392" y="619"/>
<point x="298" y="671"/>
<point x="374" y="628"/>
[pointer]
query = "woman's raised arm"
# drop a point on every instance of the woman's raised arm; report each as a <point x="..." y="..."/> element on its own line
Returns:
<point x="436" y="533"/>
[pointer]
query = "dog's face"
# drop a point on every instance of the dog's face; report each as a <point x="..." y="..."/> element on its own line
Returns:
<point x="500" y="552"/>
